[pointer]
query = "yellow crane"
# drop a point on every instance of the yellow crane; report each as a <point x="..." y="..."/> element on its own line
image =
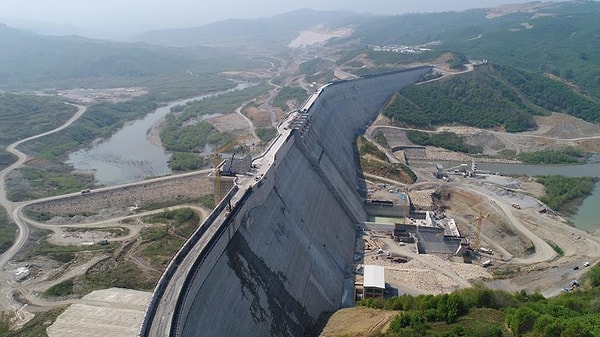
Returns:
<point x="479" y="219"/>
<point x="406" y="204"/>
<point x="218" y="192"/>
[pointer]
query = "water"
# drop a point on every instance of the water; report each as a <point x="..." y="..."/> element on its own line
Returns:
<point x="587" y="215"/>
<point x="128" y="155"/>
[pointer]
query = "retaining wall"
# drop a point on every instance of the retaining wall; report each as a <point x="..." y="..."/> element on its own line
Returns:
<point x="141" y="194"/>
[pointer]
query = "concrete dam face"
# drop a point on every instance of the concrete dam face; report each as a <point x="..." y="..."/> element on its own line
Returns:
<point x="279" y="259"/>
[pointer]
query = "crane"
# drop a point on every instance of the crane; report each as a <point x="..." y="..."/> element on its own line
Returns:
<point x="406" y="204"/>
<point x="218" y="192"/>
<point x="479" y="219"/>
<point x="216" y="161"/>
<point x="229" y="171"/>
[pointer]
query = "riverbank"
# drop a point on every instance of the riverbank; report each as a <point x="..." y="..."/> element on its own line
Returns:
<point x="153" y="134"/>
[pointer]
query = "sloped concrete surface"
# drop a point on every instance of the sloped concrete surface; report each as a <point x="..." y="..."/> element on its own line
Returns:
<point x="111" y="312"/>
<point x="279" y="259"/>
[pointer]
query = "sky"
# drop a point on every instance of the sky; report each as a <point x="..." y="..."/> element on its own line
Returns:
<point x="129" y="17"/>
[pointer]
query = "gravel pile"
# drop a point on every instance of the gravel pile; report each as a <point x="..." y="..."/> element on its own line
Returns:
<point x="421" y="199"/>
<point x="464" y="270"/>
<point x="417" y="275"/>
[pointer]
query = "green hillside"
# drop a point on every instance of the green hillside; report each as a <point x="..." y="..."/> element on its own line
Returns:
<point x="272" y="33"/>
<point x="562" y="38"/>
<point x="187" y="131"/>
<point x="22" y="116"/>
<point x="490" y="96"/>
<point x="478" y="311"/>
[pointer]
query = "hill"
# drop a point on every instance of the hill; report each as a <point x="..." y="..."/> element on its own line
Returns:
<point x="29" y="60"/>
<point x="272" y="32"/>
<point x="558" y="38"/>
<point x="473" y="312"/>
<point x="22" y="116"/>
<point x="490" y="96"/>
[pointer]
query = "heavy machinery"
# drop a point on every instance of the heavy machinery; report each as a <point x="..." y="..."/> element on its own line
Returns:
<point x="406" y="203"/>
<point x="479" y="219"/>
<point x="228" y="171"/>
<point x="216" y="161"/>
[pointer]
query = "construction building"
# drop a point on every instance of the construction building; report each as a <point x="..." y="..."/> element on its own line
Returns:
<point x="373" y="285"/>
<point x="236" y="164"/>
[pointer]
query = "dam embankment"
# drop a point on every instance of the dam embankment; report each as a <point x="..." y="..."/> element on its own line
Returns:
<point x="277" y="260"/>
<point x="152" y="191"/>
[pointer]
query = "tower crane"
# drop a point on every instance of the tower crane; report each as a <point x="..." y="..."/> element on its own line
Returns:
<point x="218" y="192"/>
<point x="406" y="204"/>
<point x="479" y="219"/>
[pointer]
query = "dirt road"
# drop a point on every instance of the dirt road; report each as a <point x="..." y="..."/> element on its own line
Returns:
<point x="14" y="211"/>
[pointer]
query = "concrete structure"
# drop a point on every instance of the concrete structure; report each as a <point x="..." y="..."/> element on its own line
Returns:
<point x="110" y="312"/>
<point x="237" y="164"/>
<point x="152" y="191"/>
<point x="282" y="256"/>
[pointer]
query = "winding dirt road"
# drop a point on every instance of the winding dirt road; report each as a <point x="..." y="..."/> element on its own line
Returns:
<point x="14" y="211"/>
<point x="11" y="207"/>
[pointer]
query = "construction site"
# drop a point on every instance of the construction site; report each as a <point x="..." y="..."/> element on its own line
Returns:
<point x="458" y="226"/>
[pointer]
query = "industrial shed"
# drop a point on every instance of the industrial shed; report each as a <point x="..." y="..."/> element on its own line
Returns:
<point x="374" y="281"/>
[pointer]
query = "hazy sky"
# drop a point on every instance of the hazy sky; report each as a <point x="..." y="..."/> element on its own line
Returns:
<point x="132" y="16"/>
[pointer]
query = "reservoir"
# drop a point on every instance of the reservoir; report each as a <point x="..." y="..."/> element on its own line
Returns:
<point x="587" y="216"/>
<point x="128" y="155"/>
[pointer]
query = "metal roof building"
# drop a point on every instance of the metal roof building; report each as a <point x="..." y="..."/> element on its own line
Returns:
<point x="374" y="281"/>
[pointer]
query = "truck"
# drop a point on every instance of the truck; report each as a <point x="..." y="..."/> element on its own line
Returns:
<point x="486" y="250"/>
<point x="486" y="263"/>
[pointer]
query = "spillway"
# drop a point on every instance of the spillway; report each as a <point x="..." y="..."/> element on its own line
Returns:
<point x="276" y="260"/>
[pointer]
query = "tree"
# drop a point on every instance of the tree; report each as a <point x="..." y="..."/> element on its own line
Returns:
<point x="576" y="329"/>
<point x="455" y="308"/>
<point x="521" y="320"/>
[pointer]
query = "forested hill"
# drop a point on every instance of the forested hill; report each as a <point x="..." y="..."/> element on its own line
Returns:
<point x="490" y="96"/>
<point x="38" y="113"/>
<point x="560" y="38"/>
<point x="29" y="60"/>
<point x="266" y="33"/>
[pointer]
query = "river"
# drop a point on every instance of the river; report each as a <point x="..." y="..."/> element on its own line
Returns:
<point x="128" y="155"/>
<point x="587" y="216"/>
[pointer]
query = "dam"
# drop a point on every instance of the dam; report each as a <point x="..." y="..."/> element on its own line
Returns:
<point x="276" y="253"/>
